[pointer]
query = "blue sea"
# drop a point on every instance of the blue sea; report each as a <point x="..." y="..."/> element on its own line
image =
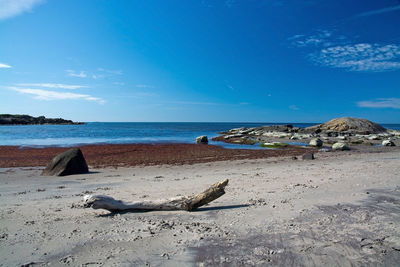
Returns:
<point x="124" y="133"/>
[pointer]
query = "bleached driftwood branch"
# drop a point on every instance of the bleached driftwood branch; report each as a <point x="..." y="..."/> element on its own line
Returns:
<point x="177" y="203"/>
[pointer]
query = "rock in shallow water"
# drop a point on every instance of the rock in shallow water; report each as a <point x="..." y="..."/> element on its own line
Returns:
<point x="67" y="163"/>
<point x="388" y="143"/>
<point x="202" y="139"/>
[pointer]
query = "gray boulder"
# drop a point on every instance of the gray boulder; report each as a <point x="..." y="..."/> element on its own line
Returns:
<point x="67" y="163"/>
<point x="388" y="143"/>
<point x="202" y="139"/>
<point x="340" y="146"/>
<point x="316" y="142"/>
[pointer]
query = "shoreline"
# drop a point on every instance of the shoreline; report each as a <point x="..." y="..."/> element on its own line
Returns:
<point x="130" y="155"/>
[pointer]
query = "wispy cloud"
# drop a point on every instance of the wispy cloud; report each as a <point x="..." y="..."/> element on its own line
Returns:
<point x="381" y="103"/>
<point x="103" y="73"/>
<point x="3" y="65"/>
<point x="53" y="85"/>
<point x="115" y="72"/>
<point x="378" y="11"/>
<point x="144" y="86"/>
<point x="72" y="73"/>
<point x="294" y="107"/>
<point x="230" y="87"/>
<point x="336" y="51"/>
<point x="322" y="38"/>
<point x="359" y="57"/>
<point x="52" y="95"/>
<point x="11" y="8"/>
<point x="97" y="76"/>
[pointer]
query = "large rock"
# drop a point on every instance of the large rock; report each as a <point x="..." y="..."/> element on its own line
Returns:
<point x="388" y="143"/>
<point x="67" y="163"/>
<point x="348" y="125"/>
<point x="202" y="139"/>
<point x="340" y="146"/>
<point x="316" y="142"/>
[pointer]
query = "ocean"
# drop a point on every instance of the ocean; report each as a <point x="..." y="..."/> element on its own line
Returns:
<point x="124" y="133"/>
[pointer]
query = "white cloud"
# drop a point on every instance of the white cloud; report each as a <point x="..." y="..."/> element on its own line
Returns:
<point x="378" y="11"/>
<point x="11" y="8"/>
<point x="321" y="38"/>
<point x="53" y="85"/>
<point x="3" y="65"/>
<point x="381" y="103"/>
<point x="300" y="40"/>
<point x="103" y="73"/>
<point x="293" y="107"/>
<point x="52" y="95"/>
<point x="337" y="52"/>
<point x="72" y="73"/>
<point x="360" y="57"/>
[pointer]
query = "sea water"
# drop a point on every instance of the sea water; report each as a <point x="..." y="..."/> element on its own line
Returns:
<point x="125" y="133"/>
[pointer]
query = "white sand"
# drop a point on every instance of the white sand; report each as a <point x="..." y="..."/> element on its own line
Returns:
<point x="340" y="209"/>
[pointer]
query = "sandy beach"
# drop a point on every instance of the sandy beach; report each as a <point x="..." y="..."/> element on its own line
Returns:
<point x="340" y="209"/>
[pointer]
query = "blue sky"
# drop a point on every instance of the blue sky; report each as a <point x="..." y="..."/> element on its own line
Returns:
<point x="201" y="60"/>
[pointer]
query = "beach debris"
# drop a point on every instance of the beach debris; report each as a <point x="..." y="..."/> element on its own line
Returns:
<point x="188" y="203"/>
<point x="316" y="142"/>
<point x="388" y="143"/>
<point x="67" y="163"/>
<point x="202" y="139"/>
<point x="340" y="146"/>
<point x="308" y="156"/>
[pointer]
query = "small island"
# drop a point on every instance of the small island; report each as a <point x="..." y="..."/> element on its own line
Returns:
<point x="9" y="119"/>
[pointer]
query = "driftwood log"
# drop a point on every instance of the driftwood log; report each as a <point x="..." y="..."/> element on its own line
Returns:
<point x="177" y="203"/>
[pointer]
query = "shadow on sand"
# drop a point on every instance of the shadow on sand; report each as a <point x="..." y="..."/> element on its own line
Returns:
<point x="227" y="207"/>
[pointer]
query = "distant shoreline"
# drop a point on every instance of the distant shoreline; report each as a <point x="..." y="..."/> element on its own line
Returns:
<point x="9" y="119"/>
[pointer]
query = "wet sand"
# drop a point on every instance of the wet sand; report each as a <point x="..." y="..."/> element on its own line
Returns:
<point x="340" y="209"/>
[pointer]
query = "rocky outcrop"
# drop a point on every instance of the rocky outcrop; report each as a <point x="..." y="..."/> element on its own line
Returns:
<point x="8" y="119"/>
<point x="347" y="125"/>
<point x="202" y="139"/>
<point x="352" y="131"/>
<point x="67" y="163"/>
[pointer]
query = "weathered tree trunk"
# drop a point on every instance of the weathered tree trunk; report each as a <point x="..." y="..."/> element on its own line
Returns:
<point x="177" y="203"/>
